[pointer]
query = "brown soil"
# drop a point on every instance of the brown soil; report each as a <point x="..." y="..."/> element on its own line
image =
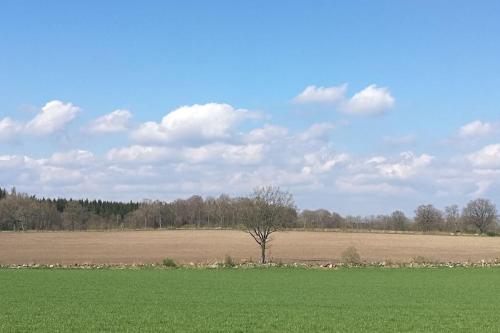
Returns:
<point x="202" y="246"/>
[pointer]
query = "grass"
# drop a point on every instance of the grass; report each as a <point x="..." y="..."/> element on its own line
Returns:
<point x="249" y="300"/>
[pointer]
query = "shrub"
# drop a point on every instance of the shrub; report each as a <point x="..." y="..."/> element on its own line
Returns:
<point x="169" y="262"/>
<point x="229" y="261"/>
<point x="421" y="260"/>
<point x="492" y="234"/>
<point x="351" y="256"/>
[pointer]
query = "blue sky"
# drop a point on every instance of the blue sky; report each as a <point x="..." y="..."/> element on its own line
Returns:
<point x="424" y="126"/>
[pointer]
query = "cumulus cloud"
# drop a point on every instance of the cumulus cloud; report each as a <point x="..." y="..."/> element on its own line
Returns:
<point x="486" y="157"/>
<point x="266" y="133"/>
<point x="475" y="129"/>
<point x="59" y="176"/>
<point x="317" y="131"/>
<point x="369" y="101"/>
<point x="53" y="117"/>
<point x="198" y="122"/>
<point x="386" y="175"/>
<point x="138" y="153"/>
<point x="220" y="152"/>
<point x="376" y="160"/>
<point x="408" y="166"/>
<point x="9" y="129"/>
<point x="322" y="161"/>
<point x="305" y="168"/>
<point x="313" y="94"/>
<point x="72" y="157"/>
<point x="201" y="149"/>
<point x="353" y="185"/>
<point x="24" y="170"/>
<point x="11" y="161"/>
<point x="116" y="121"/>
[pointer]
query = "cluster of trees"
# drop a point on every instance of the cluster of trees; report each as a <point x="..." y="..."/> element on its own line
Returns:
<point x="479" y="215"/>
<point x="20" y="211"/>
<point x="3" y="193"/>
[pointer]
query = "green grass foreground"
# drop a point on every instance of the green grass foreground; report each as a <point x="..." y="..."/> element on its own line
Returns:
<point x="246" y="300"/>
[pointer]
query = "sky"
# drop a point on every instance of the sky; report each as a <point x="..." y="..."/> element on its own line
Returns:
<point x="360" y="107"/>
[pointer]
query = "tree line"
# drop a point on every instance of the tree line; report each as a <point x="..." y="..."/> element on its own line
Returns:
<point x="20" y="211"/>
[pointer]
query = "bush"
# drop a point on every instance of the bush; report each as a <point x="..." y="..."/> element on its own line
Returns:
<point x="168" y="262"/>
<point x="491" y="233"/>
<point x="229" y="261"/>
<point x="351" y="256"/>
<point x="421" y="260"/>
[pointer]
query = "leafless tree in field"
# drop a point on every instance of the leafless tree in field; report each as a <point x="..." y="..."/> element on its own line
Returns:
<point x="428" y="218"/>
<point x="398" y="220"/>
<point x="480" y="213"/>
<point x="453" y="222"/>
<point x="320" y="218"/>
<point x="75" y="217"/>
<point x="267" y="210"/>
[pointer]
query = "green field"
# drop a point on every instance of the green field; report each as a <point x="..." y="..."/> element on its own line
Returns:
<point x="245" y="300"/>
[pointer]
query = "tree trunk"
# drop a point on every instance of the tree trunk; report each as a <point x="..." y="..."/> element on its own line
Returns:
<point x="263" y="249"/>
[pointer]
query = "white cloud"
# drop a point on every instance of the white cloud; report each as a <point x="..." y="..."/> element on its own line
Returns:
<point x="475" y="129"/>
<point x="138" y="153"/>
<point x="354" y="186"/>
<point x="369" y="101"/>
<point x="201" y="149"/>
<point x="116" y="121"/>
<point x="310" y="169"/>
<point x="407" y="167"/>
<point x="220" y="152"/>
<point x="9" y="129"/>
<point x="376" y="160"/>
<point x="150" y="132"/>
<point x="486" y="157"/>
<point x="59" y="176"/>
<point x="386" y="175"/>
<point x="317" y="131"/>
<point x="482" y="187"/>
<point x="11" y="161"/>
<point x="266" y="133"/>
<point x="72" y="157"/>
<point x="322" y="161"/>
<point x="313" y="94"/>
<point x="53" y="117"/>
<point x="198" y="122"/>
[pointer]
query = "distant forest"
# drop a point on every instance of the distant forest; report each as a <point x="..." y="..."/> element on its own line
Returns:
<point x="20" y="212"/>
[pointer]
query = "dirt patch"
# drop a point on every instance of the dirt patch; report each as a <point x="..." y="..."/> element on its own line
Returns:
<point x="200" y="246"/>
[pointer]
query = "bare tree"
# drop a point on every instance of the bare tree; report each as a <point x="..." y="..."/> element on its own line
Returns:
<point x="195" y="209"/>
<point x="398" y="220"/>
<point x="320" y="218"/>
<point x="267" y="210"/>
<point x="428" y="218"/>
<point x="75" y="216"/>
<point x="452" y="216"/>
<point x="480" y="213"/>
<point x="223" y="210"/>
